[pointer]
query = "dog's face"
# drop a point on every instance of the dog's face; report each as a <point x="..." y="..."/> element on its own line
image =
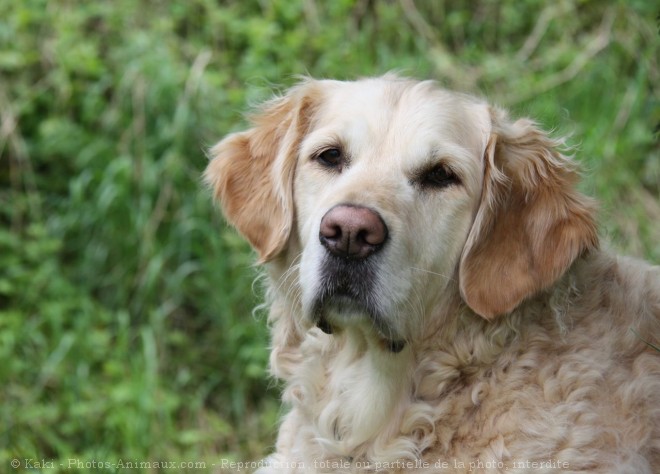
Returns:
<point x="385" y="197"/>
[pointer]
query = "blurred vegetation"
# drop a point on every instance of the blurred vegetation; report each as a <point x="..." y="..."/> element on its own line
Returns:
<point x="126" y="326"/>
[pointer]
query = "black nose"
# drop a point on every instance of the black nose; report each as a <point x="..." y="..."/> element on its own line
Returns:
<point x="352" y="231"/>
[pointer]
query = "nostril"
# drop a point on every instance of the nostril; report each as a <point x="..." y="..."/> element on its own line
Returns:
<point x="352" y="231"/>
<point x="331" y="235"/>
<point x="329" y="230"/>
<point x="374" y="234"/>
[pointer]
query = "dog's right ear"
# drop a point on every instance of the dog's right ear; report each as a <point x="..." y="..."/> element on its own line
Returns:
<point x="251" y="172"/>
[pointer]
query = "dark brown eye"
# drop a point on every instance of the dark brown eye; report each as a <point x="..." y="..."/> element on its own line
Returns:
<point x="438" y="177"/>
<point x="331" y="158"/>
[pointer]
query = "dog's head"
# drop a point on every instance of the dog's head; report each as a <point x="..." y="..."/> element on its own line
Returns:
<point x="387" y="196"/>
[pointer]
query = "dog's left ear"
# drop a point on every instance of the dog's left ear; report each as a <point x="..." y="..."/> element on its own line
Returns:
<point x="531" y="223"/>
<point x="251" y="172"/>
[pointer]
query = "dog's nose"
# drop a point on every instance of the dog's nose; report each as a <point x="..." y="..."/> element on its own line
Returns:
<point x="352" y="231"/>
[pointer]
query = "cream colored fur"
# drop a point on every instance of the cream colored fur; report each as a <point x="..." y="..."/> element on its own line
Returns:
<point x="525" y="342"/>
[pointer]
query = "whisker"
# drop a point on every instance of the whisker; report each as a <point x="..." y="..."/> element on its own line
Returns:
<point x="293" y="290"/>
<point x="295" y="265"/>
<point x="433" y="273"/>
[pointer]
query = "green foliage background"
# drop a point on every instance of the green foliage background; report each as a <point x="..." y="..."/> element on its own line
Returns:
<point x="126" y="324"/>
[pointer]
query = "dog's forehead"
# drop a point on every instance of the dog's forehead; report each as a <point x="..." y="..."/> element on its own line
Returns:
<point x="397" y="112"/>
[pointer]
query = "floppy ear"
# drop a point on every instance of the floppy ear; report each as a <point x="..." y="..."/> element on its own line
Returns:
<point x="251" y="172"/>
<point x="531" y="222"/>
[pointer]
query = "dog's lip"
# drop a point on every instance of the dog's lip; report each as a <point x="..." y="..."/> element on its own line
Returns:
<point x="339" y="308"/>
<point x="328" y="326"/>
<point x="323" y="324"/>
<point x="395" y="346"/>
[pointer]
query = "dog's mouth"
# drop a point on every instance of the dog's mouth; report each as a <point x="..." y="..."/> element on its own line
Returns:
<point x="347" y="296"/>
<point x="394" y="345"/>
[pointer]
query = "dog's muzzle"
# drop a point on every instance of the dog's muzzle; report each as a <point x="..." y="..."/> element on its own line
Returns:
<point x="352" y="236"/>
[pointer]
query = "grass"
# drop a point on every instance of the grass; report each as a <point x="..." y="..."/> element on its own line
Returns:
<point x="126" y="326"/>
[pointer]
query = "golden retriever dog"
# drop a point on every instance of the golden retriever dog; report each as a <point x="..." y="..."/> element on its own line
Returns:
<point x="439" y="301"/>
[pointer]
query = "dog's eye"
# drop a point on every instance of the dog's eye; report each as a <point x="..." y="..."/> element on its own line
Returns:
<point x="331" y="158"/>
<point x="438" y="177"/>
